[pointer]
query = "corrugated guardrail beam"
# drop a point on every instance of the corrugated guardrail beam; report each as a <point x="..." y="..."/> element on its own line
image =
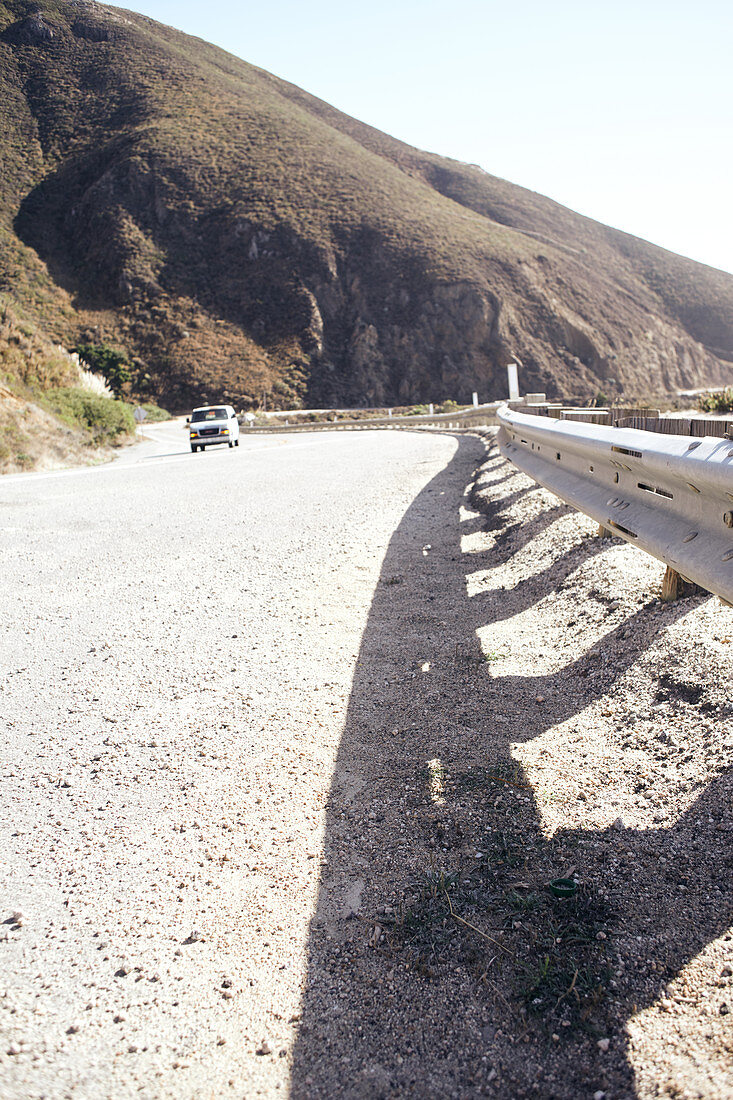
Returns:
<point x="669" y="495"/>
<point x="467" y="418"/>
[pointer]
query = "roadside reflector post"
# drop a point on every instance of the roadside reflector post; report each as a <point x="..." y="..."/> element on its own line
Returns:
<point x="475" y="400"/>
<point x="513" y="379"/>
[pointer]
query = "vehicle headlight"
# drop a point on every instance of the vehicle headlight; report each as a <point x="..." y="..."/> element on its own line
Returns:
<point x="225" y="431"/>
<point x="194" y="431"/>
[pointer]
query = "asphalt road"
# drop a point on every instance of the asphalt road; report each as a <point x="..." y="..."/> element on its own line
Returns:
<point x="180" y="634"/>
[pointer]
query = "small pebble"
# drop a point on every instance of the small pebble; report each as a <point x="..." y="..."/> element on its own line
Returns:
<point x="603" y="1045"/>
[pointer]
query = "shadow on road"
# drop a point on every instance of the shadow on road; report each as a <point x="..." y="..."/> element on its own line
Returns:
<point x="407" y="1001"/>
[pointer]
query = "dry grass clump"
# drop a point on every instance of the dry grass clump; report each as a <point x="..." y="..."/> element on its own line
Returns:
<point x="94" y="383"/>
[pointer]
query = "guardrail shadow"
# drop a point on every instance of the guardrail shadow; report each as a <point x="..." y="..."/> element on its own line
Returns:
<point x="378" y="1020"/>
<point x="498" y="605"/>
<point x="515" y="536"/>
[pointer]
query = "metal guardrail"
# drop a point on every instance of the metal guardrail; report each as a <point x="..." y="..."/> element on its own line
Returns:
<point x="479" y="416"/>
<point x="670" y="495"/>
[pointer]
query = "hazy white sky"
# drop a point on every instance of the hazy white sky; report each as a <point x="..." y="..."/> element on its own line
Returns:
<point x="621" y="110"/>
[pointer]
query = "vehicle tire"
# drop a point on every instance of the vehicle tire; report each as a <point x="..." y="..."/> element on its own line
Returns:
<point x="230" y="444"/>
<point x="193" y="449"/>
<point x="236" y="442"/>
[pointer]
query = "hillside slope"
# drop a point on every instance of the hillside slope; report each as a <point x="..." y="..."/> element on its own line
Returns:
<point x="238" y="237"/>
<point x="52" y="413"/>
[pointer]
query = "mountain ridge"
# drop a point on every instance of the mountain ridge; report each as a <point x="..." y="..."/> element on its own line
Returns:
<point x="239" y="237"/>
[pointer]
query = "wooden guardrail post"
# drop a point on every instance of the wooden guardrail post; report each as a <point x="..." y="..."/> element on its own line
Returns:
<point x="672" y="585"/>
<point x="675" y="586"/>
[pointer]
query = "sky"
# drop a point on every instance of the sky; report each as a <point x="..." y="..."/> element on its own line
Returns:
<point x="621" y="110"/>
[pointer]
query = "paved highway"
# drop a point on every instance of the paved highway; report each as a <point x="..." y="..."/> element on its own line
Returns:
<point x="180" y="634"/>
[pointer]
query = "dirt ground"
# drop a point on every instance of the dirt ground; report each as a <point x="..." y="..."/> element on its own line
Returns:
<point x="526" y="708"/>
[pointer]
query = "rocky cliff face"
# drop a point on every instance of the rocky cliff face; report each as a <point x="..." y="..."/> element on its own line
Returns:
<point x="239" y="238"/>
<point x="437" y="340"/>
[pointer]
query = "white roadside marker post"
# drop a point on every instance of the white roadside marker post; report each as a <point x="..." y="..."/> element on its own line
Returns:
<point x="513" y="379"/>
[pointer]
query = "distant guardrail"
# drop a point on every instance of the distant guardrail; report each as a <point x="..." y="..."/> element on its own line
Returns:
<point x="670" y="495"/>
<point x="476" y="416"/>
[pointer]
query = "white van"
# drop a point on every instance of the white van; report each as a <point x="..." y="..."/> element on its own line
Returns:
<point x="211" y="424"/>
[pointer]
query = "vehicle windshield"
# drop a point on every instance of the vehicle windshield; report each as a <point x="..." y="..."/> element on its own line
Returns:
<point x="208" y="414"/>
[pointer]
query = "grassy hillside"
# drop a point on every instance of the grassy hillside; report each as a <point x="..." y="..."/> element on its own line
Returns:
<point x="238" y="237"/>
<point x="48" y="415"/>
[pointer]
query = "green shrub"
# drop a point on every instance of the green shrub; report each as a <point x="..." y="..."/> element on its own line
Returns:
<point x="720" y="402"/>
<point x="106" y="418"/>
<point x="154" y="412"/>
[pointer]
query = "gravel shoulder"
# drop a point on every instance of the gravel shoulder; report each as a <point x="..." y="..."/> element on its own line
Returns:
<point x="278" y="815"/>
<point x="525" y="708"/>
